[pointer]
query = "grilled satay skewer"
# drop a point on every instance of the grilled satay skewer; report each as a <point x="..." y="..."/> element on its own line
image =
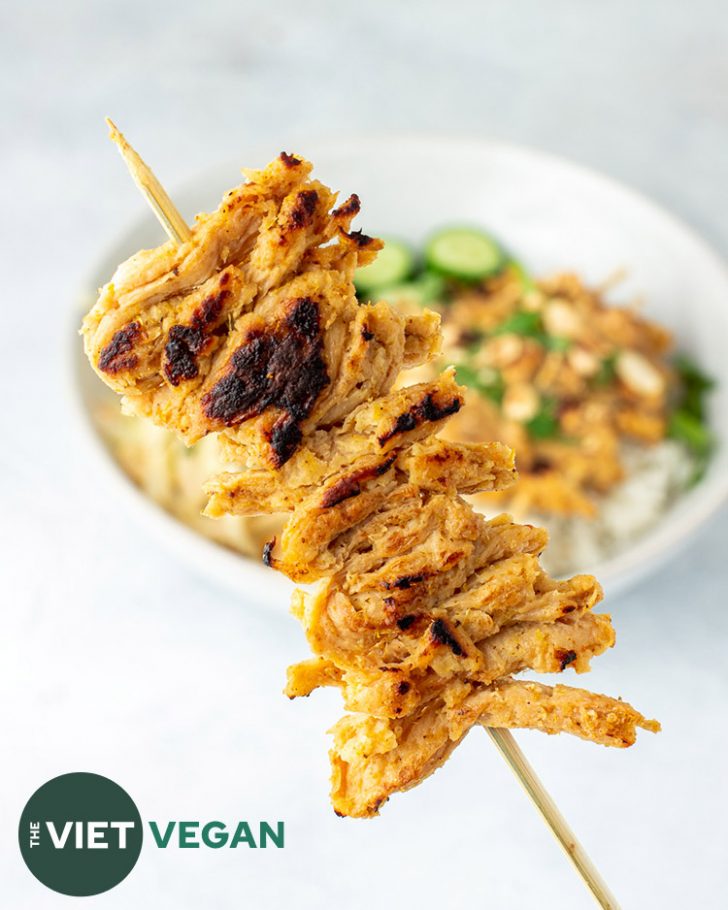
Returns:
<point x="178" y="231"/>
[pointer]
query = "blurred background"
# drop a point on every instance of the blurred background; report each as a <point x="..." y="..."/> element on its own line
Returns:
<point x="110" y="655"/>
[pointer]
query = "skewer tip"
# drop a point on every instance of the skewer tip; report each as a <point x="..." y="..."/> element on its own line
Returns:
<point x="155" y="194"/>
<point x="117" y="137"/>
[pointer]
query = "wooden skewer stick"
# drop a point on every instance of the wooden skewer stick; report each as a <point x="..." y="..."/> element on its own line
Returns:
<point x="175" y="226"/>
<point x="152" y="190"/>
<point x="511" y="752"/>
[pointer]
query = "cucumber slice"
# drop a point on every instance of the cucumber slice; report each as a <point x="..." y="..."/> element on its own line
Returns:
<point x="464" y="253"/>
<point x="426" y="289"/>
<point x="393" y="264"/>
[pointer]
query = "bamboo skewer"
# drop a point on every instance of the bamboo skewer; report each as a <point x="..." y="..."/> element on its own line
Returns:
<point x="152" y="190"/>
<point x="178" y="231"/>
<point x="519" y="764"/>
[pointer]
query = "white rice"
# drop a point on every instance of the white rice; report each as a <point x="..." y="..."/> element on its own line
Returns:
<point x="655" y="477"/>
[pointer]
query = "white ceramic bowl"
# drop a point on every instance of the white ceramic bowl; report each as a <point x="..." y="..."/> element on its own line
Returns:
<point x="557" y="216"/>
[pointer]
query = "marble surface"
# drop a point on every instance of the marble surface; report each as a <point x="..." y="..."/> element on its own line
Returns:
<point x="116" y="658"/>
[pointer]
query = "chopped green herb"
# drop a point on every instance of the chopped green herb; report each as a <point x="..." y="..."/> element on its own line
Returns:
<point x="528" y="324"/>
<point x="696" y="437"/>
<point x="691" y="430"/>
<point x="488" y="383"/>
<point x="695" y="385"/>
<point x="494" y="391"/>
<point x="687" y="422"/>
<point x="691" y="374"/>
<point x="466" y="375"/>
<point x="545" y="424"/>
<point x="556" y="343"/>
<point x="521" y="322"/>
<point x="607" y="372"/>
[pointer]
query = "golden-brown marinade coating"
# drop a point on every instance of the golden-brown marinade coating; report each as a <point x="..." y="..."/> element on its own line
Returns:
<point x="374" y="757"/>
<point x="423" y="610"/>
<point x="252" y="327"/>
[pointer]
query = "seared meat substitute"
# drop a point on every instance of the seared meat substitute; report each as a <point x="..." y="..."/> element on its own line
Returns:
<point x="253" y="327"/>
<point x="423" y="610"/>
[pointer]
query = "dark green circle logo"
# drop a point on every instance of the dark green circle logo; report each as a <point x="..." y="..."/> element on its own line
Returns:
<point x="80" y="834"/>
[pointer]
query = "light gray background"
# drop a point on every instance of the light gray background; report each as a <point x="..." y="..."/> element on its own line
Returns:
<point x="115" y="658"/>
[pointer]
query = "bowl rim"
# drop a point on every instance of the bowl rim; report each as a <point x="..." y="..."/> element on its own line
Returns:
<point x="616" y="573"/>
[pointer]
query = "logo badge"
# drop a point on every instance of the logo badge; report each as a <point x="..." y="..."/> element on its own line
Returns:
<point x="80" y="834"/>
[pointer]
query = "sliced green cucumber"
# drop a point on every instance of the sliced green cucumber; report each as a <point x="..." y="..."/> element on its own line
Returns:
<point x="394" y="264"/>
<point x="424" y="290"/>
<point x="464" y="253"/>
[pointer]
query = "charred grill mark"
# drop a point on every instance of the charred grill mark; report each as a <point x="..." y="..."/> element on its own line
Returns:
<point x="414" y="623"/>
<point x="304" y="318"/>
<point x="403" y="688"/>
<point x="402" y="424"/>
<point x="348" y="209"/>
<point x="211" y="306"/>
<point x="404" y="582"/>
<point x="289" y="160"/>
<point x="186" y="342"/>
<point x="426" y="410"/>
<point x="442" y="635"/>
<point x="344" y="489"/>
<point x="564" y="657"/>
<point x="303" y="211"/>
<point x="284" y="439"/>
<point x="350" y="486"/>
<point x="117" y="355"/>
<point x="180" y="353"/>
<point x="267" y="551"/>
<point x="433" y="411"/>
<point x="360" y="238"/>
<point x="280" y="367"/>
